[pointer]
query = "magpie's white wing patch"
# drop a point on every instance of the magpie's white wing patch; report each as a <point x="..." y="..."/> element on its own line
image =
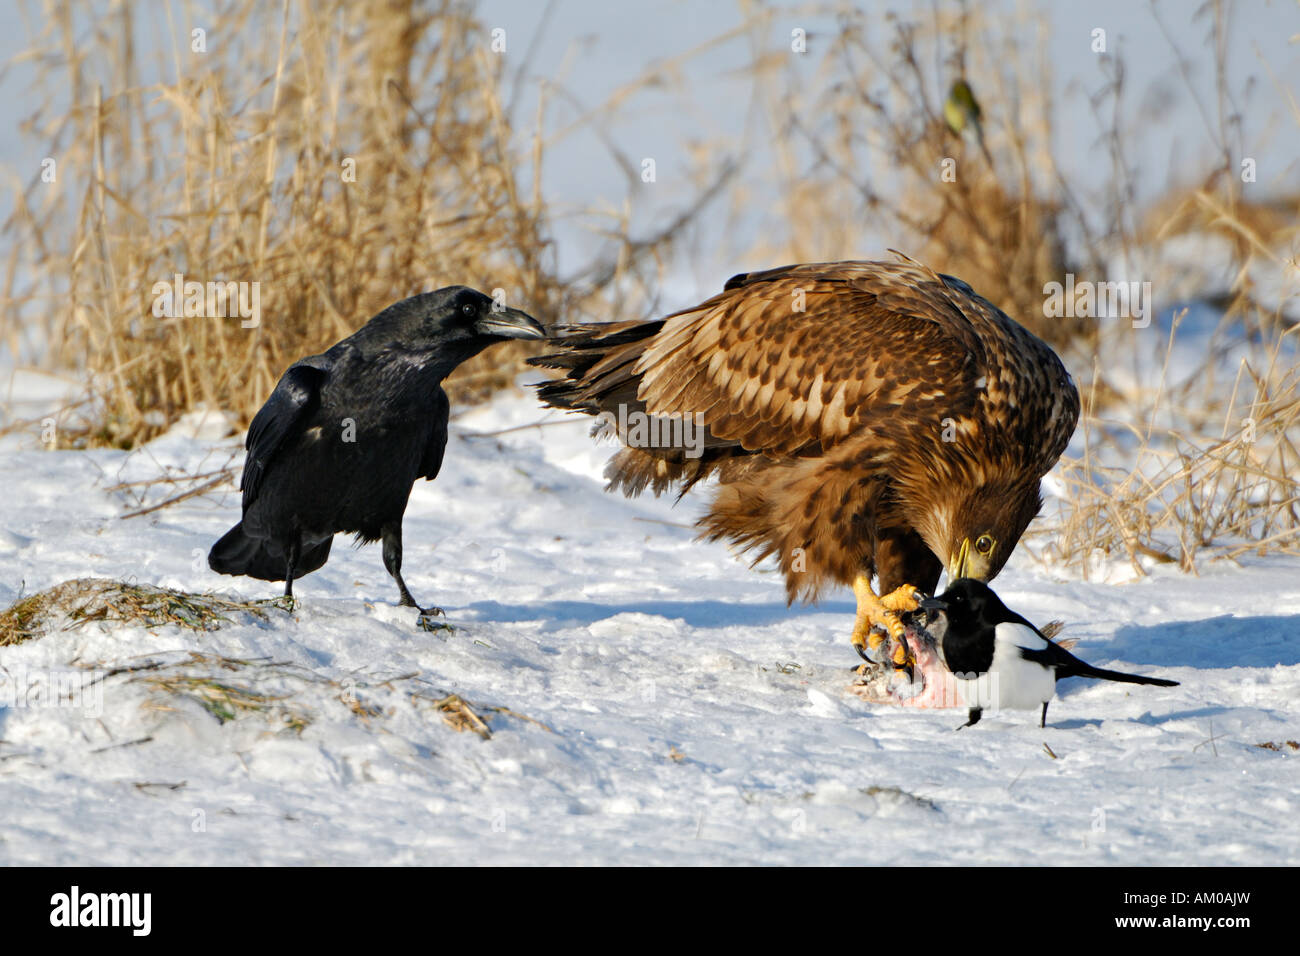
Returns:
<point x="1012" y="681"/>
<point x="1011" y="635"/>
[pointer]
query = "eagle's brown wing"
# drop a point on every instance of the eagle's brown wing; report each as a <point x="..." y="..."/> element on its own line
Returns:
<point x="823" y="390"/>
<point x="791" y="361"/>
<point x="806" y="355"/>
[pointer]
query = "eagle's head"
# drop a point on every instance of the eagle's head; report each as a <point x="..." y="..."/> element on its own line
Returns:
<point x="974" y="532"/>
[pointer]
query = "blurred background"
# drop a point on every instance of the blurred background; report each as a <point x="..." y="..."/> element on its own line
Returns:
<point x="602" y="161"/>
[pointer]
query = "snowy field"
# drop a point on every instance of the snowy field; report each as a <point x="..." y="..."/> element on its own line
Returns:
<point x="661" y="703"/>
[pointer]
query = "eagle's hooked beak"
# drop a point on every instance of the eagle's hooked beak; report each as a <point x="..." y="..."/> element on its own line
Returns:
<point x="957" y="567"/>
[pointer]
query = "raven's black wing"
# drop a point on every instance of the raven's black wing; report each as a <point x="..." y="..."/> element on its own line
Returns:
<point x="437" y="442"/>
<point x="296" y="396"/>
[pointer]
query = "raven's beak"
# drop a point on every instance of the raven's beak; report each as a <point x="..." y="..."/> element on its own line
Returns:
<point x="510" y="324"/>
<point x="933" y="605"/>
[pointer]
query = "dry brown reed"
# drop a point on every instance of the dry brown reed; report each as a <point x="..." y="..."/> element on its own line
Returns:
<point x="340" y="155"/>
<point x="865" y="158"/>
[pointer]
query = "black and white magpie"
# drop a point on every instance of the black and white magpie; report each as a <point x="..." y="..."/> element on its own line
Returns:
<point x="999" y="659"/>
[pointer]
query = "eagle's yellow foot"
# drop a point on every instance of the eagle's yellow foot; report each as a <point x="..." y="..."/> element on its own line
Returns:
<point x="878" y="632"/>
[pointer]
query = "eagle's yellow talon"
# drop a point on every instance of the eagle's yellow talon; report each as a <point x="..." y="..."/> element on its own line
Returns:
<point x="876" y="636"/>
<point x="900" y="656"/>
<point x="878" y="632"/>
<point x="906" y="598"/>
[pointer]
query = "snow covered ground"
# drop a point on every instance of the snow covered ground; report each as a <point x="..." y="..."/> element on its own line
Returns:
<point x="662" y="703"/>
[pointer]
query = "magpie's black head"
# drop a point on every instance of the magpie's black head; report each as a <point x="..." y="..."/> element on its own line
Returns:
<point x="969" y="606"/>
<point x="456" y="319"/>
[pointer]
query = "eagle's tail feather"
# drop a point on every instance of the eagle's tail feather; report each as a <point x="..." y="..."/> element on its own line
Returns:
<point x="598" y="364"/>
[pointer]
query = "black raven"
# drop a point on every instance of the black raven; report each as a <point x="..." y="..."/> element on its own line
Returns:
<point x="343" y="437"/>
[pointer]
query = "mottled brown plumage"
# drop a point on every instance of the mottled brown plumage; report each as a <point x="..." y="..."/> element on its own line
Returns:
<point x="860" y="417"/>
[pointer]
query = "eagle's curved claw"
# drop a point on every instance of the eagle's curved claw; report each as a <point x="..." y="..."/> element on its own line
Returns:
<point x="874" y="650"/>
<point x="878" y="631"/>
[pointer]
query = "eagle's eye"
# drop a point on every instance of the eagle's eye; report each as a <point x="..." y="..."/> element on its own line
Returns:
<point x="984" y="544"/>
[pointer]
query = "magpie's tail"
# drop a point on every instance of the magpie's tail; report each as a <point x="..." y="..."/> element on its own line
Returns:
<point x="238" y="553"/>
<point x="1080" y="669"/>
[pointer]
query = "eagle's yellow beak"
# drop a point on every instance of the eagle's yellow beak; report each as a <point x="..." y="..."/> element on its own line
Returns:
<point x="973" y="560"/>
<point x="957" y="566"/>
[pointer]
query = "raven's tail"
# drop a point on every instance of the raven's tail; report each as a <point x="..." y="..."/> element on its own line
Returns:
<point x="1080" y="669"/>
<point x="238" y="553"/>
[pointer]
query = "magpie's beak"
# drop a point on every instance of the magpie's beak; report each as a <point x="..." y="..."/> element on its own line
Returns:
<point x="927" y="612"/>
<point x="508" y="323"/>
<point x="932" y="616"/>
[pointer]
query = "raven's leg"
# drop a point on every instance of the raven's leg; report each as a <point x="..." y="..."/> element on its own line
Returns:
<point x="291" y="562"/>
<point x="392" y="534"/>
<point x="972" y="718"/>
<point x="1043" y="722"/>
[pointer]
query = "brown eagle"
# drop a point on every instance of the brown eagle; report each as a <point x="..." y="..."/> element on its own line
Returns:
<point x="861" y="419"/>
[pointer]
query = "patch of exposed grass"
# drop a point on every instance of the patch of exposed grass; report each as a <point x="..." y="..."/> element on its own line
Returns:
<point x="231" y="688"/>
<point x="458" y="713"/>
<point x="24" y="619"/>
<point x="1285" y="746"/>
<point x="84" y="600"/>
<point x="899" y="796"/>
<point x="223" y="699"/>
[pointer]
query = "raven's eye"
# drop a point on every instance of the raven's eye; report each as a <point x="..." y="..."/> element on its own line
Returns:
<point x="984" y="543"/>
<point x="467" y="309"/>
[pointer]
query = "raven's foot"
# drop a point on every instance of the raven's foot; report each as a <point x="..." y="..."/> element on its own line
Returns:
<point x="288" y="602"/>
<point x="426" y="622"/>
<point x="407" y="601"/>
